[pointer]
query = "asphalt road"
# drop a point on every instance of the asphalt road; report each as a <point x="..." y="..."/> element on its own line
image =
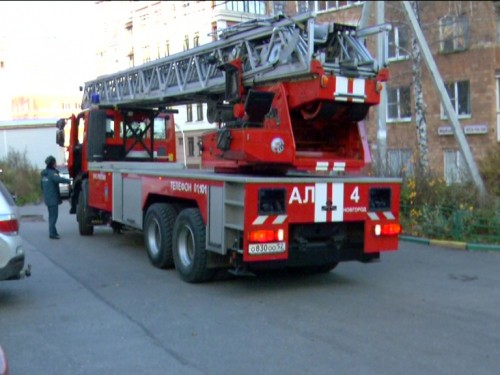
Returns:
<point x="95" y="305"/>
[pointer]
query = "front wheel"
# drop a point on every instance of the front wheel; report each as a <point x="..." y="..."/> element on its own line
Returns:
<point x="158" y="227"/>
<point x="190" y="255"/>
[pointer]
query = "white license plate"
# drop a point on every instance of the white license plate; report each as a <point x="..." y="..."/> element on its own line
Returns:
<point x="267" y="248"/>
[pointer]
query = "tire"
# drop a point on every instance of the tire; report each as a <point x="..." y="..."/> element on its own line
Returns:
<point x="190" y="255"/>
<point x="158" y="229"/>
<point x="82" y="212"/>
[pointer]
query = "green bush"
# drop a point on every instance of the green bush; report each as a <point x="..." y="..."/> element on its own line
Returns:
<point x="21" y="178"/>
<point x="433" y="209"/>
<point x="489" y="168"/>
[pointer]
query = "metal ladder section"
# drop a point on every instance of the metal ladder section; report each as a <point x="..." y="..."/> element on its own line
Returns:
<point x="271" y="49"/>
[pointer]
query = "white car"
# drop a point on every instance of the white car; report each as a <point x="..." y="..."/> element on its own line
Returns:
<point x="12" y="254"/>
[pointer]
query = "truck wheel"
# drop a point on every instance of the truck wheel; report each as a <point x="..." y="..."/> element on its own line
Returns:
<point x="158" y="227"/>
<point x="190" y="255"/>
<point x="82" y="212"/>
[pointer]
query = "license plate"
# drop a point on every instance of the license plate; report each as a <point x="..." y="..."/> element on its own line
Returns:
<point x="267" y="248"/>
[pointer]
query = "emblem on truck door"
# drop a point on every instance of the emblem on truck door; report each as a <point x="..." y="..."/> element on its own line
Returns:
<point x="329" y="206"/>
<point x="277" y="145"/>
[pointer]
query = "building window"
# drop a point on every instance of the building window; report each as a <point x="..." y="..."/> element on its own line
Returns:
<point x="255" y="7"/>
<point x="200" y="145"/>
<point x="398" y="104"/>
<point x="400" y="162"/>
<point x="454" y="33"/>
<point x="320" y="6"/>
<point x="199" y="112"/>
<point x="455" y="169"/>
<point x="459" y="94"/>
<point x="399" y="43"/>
<point x="190" y="146"/>
<point x="189" y="112"/>
<point x="181" y="141"/>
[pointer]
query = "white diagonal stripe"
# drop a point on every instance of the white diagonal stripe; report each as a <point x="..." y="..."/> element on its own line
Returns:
<point x="322" y="166"/>
<point x="389" y="215"/>
<point x="260" y="220"/>
<point x="280" y="219"/>
<point x="339" y="166"/>
<point x="373" y="216"/>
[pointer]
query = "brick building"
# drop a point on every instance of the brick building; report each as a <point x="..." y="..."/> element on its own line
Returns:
<point x="462" y="35"/>
<point x="464" y="39"/>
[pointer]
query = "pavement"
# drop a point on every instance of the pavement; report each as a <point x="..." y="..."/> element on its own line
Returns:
<point x="38" y="212"/>
<point x="35" y="212"/>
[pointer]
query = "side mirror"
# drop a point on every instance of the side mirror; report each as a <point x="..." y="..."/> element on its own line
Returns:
<point x="60" y="137"/>
<point x="60" y="131"/>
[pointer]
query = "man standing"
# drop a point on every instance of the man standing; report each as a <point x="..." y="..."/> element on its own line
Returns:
<point x="51" y="194"/>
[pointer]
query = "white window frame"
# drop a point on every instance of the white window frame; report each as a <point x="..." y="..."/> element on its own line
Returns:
<point x="400" y="53"/>
<point x="403" y="158"/>
<point x="253" y="7"/>
<point x="455" y="170"/>
<point x="315" y="6"/>
<point x="399" y="105"/>
<point x="455" y="101"/>
<point x="189" y="113"/>
<point x="459" y="30"/>
<point x="199" y="111"/>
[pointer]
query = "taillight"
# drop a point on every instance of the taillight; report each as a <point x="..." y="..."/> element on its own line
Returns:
<point x="9" y="224"/>
<point x="267" y="235"/>
<point x="387" y="229"/>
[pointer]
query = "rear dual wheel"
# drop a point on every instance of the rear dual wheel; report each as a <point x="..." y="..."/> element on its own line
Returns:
<point x="190" y="254"/>
<point x="158" y="227"/>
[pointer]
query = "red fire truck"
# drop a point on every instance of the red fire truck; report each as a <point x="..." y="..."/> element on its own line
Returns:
<point x="281" y="183"/>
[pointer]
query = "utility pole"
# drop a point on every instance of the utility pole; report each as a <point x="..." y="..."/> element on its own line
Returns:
<point x="382" y="107"/>
<point x="445" y="100"/>
<point x="365" y="14"/>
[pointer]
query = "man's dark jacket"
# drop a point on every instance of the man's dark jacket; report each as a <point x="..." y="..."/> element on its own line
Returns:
<point x="50" y="186"/>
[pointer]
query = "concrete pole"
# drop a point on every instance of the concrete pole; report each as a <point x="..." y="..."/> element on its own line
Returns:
<point x="445" y="100"/>
<point x="382" y="107"/>
<point x="365" y="14"/>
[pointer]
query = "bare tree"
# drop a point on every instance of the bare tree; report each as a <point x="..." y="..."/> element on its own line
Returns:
<point x="420" y="107"/>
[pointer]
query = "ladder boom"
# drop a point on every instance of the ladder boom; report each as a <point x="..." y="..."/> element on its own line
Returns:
<point x="272" y="49"/>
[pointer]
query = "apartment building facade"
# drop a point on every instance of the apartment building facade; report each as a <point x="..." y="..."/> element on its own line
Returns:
<point x="463" y="36"/>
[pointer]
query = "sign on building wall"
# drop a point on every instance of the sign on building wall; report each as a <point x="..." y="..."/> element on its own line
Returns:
<point x="468" y="129"/>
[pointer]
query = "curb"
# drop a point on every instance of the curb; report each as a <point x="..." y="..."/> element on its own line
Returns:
<point x="450" y="244"/>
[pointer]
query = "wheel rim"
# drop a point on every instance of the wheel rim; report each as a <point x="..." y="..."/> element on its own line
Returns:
<point x="186" y="246"/>
<point x="154" y="237"/>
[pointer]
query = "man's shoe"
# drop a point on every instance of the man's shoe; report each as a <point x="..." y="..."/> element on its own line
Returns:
<point x="55" y="237"/>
